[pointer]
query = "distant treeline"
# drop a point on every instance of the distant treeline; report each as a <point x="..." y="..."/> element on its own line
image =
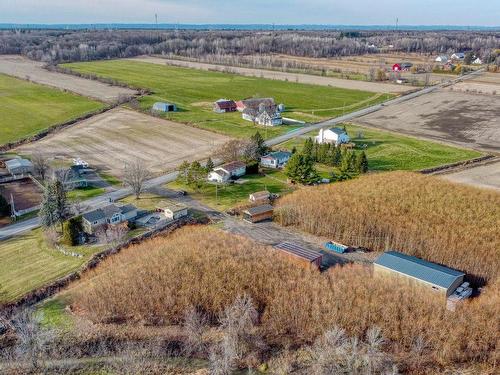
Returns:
<point x="83" y="45"/>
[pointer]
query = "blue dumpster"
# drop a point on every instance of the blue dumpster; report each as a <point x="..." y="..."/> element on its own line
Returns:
<point x="337" y="247"/>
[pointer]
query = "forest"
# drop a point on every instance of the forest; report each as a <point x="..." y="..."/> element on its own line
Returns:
<point x="54" y="46"/>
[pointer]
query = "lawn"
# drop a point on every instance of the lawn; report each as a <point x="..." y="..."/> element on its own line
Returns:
<point x="387" y="151"/>
<point x="85" y="193"/>
<point x="232" y="195"/>
<point x="27" y="263"/>
<point x="146" y="201"/>
<point x="194" y="91"/>
<point x="27" y="108"/>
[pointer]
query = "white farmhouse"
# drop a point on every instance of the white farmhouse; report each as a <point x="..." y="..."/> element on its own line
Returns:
<point x="336" y="136"/>
<point x="227" y="171"/>
<point x="442" y="59"/>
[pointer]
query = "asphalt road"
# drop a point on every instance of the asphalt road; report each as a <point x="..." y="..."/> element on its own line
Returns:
<point x="93" y="203"/>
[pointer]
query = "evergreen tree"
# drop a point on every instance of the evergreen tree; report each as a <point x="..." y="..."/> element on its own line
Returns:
<point x="62" y="207"/>
<point x="4" y="206"/>
<point x="196" y="175"/>
<point x="294" y="150"/>
<point x="210" y="165"/>
<point x="48" y="207"/>
<point x="183" y="172"/>
<point x="300" y="169"/>
<point x="308" y="148"/>
<point x="347" y="162"/>
<point x="361" y="162"/>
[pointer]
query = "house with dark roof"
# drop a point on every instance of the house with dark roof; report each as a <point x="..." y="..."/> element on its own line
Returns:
<point x="254" y="103"/>
<point x="276" y="159"/>
<point x="224" y="105"/>
<point x="438" y="278"/>
<point x="108" y="215"/>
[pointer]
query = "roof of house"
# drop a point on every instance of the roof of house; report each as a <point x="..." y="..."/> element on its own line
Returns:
<point x="459" y="54"/>
<point x="406" y="64"/>
<point x="337" y="131"/>
<point x="261" y="194"/>
<point x="278" y="155"/>
<point x="417" y="268"/>
<point x="108" y="211"/>
<point x="255" y="102"/>
<point x="442" y="57"/>
<point x="225" y="103"/>
<point x="259" y="209"/>
<point x="220" y="172"/>
<point x="171" y="206"/>
<point x="231" y="166"/>
<point x="299" y="251"/>
<point x="17" y="163"/>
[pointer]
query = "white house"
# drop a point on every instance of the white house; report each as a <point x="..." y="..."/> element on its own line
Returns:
<point x="266" y="116"/>
<point x="477" y="61"/>
<point x="111" y="214"/>
<point x="172" y="211"/>
<point x="441" y="59"/>
<point x="458" y="56"/>
<point x="276" y="159"/>
<point x="336" y="136"/>
<point x="227" y="171"/>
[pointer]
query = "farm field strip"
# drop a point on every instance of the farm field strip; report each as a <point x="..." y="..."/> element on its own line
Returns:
<point x="27" y="108"/>
<point x="483" y="176"/>
<point x="21" y="67"/>
<point x="122" y="135"/>
<point x="283" y="76"/>
<point x="466" y="120"/>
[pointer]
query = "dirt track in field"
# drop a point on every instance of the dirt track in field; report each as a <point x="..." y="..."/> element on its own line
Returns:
<point x="109" y="140"/>
<point x="466" y="120"/>
<point x="21" y="67"/>
<point x="483" y="176"/>
<point x="283" y="76"/>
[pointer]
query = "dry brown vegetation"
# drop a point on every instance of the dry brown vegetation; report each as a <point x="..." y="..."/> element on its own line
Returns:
<point x="454" y="225"/>
<point x="157" y="281"/>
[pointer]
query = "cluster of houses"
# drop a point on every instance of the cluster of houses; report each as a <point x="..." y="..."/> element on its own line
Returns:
<point x="261" y="111"/>
<point x="456" y="57"/>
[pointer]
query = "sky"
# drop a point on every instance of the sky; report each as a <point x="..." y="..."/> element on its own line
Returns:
<point x="331" y="12"/>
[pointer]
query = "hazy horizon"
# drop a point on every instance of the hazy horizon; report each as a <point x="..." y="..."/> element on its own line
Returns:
<point x="282" y="12"/>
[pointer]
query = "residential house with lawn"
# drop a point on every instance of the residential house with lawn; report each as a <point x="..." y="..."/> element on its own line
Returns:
<point x="276" y="159"/>
<point x="227" y="172"/>
<point x="441" y="59"/>
<point x="224" y="105"/>
<point x="458" y="56"/>
<point x="265" y="116"/>
<point x="19" y="166"/>
<point x="335" y="136"/>
<point x="108" y="215"/>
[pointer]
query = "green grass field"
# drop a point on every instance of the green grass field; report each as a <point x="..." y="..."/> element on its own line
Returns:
<point x="194" y="91"/>
<point x="28" y="108"/>
<point x="27" y="263"/>
<point x="387" y="151"/>
<point x="234" y="194"/>
<point x="85" y="193"/>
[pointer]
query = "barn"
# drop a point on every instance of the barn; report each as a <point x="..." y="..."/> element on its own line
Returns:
<point x="396" y="68"/>
<point x="164" y="107"/>
<point x="304" y="256"/>
<point x="437" y="278"/>
<point x="224" y="105"/>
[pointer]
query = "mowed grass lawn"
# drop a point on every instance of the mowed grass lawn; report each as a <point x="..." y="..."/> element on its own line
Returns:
<point x="27" y="108"/>
<point x="387" y="151"/>
<point x="232" y="195"/>
<point x="27" y="263"/>
<point x="194" y="91"/>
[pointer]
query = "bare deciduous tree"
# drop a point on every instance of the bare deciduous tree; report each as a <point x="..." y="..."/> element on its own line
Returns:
<point x="135" y="174"/>
<point x="194" y="327"/>
<point x="40" y="164"/>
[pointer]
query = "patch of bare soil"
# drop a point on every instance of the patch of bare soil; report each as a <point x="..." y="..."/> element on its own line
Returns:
<point x="110" y="140"/>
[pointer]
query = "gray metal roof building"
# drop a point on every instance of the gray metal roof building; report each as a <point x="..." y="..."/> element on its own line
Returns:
<point x="437" y="276"/>
<point x="310" y="256"/>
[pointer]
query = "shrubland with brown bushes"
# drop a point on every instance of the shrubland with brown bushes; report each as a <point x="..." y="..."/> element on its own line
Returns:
<point x="447" y="223"/>
<point x="205" y="270"/>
